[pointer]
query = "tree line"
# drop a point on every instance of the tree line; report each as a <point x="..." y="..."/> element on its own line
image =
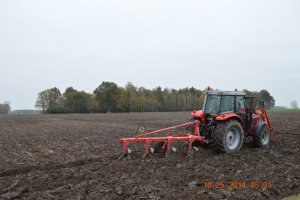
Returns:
<point x="109" y="97"/>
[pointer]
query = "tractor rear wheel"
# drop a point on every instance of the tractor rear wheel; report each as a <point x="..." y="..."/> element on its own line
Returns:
<point x="228" y="136"/>
<point x="263" y="137"/>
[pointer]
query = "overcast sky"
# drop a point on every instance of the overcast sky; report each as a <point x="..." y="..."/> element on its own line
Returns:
<point x="228" y="44"/>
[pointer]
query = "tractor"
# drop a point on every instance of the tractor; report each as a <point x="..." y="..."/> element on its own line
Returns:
<point x="228" y="118"/>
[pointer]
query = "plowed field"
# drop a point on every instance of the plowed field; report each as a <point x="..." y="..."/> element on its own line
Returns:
<point x="75" y="156"/>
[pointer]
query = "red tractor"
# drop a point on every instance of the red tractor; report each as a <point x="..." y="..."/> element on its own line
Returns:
<point x="227" y="119"/>
<point x="230" y="117"/>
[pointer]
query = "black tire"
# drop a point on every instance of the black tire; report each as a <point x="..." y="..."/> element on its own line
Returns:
<point x="262" y="139"/>
<point x="228" y="136"/>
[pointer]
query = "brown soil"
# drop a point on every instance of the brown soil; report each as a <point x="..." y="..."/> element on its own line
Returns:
<point x="74" y="156"/>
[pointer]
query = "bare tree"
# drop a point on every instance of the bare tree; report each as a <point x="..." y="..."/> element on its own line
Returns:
<point x="294" y="104"/>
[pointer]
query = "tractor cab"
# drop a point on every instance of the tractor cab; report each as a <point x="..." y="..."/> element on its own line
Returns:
<point x="220" y="102"/>
<point x="222" y="105"/>
<point x="236" y="102"/>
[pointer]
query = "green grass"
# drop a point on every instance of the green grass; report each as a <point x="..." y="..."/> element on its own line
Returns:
<point x="284" y="110"/>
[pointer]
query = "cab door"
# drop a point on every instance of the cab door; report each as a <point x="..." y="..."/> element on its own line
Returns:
<point x="241" y="111"/>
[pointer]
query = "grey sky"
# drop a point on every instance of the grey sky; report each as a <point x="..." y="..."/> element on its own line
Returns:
<point x="228" y="44"/>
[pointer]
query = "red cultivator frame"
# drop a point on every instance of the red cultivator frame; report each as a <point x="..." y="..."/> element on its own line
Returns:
<point x="167" y="140"/>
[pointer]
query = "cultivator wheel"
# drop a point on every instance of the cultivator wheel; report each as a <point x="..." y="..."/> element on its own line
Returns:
<point x="141" y="129"/>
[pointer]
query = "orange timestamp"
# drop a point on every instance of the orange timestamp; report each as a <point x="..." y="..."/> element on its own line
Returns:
<point x="237" y="184"/>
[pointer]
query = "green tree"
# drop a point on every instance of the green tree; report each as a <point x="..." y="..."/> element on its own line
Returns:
<point x="166" y="100"/>
<point x="50" y="100"/>
<point x="107" y="95"/>
<point x="141" y="104"/>
<point x="157" y="92"/>
<point x="77" y="101"/>
<point x="131" y="91"/>
<point x="4" y="108"/>
<point x="268" y="99"/>
<point x="54" y="96"/>
<point x="248" y="93"/>
<point x="123" y="103"/>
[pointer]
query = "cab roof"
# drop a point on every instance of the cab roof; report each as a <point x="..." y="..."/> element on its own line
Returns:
<point x="221" y="92"/>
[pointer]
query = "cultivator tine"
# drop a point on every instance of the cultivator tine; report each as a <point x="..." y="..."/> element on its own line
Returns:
<point x="147" y="146"/>
<point x="145" y="155"/>
<point x="191" y="147"/>
<point x="121" y="156"/>
<point x="164" y="146"/>
<point x="168" y="143"/>
<point x="196" y="148"/>
<point x="152" y="149"/>
<point x="128" y="151"/>
<point x="125" y="150"/>
<point x="167" y="153"/>
<point x="173" y="149"/>
<point x="190" y="143"/>
<point x="125" y="143"/>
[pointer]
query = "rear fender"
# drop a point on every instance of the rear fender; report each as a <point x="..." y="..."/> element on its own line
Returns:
<point x="224" y="117"/>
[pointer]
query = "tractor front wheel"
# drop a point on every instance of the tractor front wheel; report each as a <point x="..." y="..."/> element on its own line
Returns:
<point x="263" y="137"/>
<point x="228" y="136"/>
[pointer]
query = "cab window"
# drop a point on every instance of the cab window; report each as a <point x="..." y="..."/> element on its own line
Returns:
<point x="227" y="104"/>
<point x="240" y="104"/>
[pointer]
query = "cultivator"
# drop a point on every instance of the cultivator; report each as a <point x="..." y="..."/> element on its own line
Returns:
<point x="163" y="144"/>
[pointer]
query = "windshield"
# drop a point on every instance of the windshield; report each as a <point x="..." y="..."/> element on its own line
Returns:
<point x="212" y="104"/>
